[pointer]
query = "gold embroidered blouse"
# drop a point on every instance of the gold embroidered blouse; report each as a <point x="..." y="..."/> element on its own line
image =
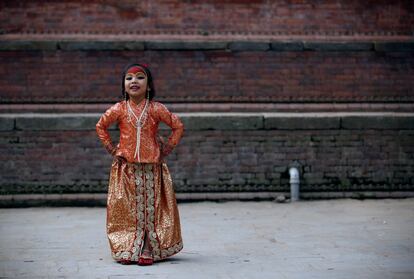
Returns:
<point x="149" y="147"/>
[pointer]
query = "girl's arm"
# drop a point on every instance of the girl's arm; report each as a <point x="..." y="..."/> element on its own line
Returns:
<point x="175" y="124"/>
<point x="108" y="118"/>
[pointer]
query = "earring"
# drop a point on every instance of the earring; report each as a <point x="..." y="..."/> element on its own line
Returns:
<point x="148" y="91"/>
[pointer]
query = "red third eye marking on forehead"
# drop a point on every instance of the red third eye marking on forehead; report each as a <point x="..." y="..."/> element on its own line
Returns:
<point x="135" y="70"/>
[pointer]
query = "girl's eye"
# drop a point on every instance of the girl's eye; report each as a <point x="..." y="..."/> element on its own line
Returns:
<point x="128" y="78"/>
<point x="141" y="77"/>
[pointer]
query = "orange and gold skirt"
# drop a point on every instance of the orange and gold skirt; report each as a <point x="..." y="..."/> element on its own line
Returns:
<point x="141" y="201"/>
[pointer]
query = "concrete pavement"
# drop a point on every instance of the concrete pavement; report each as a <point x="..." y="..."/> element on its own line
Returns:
<point x="309" y="239"/>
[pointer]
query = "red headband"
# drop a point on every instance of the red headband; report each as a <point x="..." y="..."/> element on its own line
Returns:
<point x="135" y="69"/>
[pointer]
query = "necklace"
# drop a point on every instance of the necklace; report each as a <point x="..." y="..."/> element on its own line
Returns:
<point x="139" y="122"/>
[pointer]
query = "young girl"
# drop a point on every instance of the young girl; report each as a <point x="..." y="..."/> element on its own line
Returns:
<point x="143" y="224"/>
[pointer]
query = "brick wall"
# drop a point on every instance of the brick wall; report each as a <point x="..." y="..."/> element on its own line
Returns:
<point x="199" y="76"/>
<point x="208" y="17"/>
<point x="220" y="153"/>
<point x="208" y="51"/>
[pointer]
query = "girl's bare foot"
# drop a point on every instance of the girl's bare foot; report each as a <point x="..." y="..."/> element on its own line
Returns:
<point x="145" y="258"/>
<point x="146" y="255"/>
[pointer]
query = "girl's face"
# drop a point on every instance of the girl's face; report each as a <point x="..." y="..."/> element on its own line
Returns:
<point x="136" y="84"/>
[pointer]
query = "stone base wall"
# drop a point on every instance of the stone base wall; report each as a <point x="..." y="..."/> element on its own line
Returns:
<point x="220" y="152"/>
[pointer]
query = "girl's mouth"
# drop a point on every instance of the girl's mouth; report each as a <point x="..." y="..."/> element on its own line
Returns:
<point x="134" y="87"/>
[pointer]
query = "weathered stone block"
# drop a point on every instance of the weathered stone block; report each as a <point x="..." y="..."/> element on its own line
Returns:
<point x="300" y="122"/>
<point x="391" y="122"/>
<point x="338" y="46"/>
<point x="133" y="45"/>
<point x="6" y="123"/>
<point x="101" y="45"/>
<point x="27" y="45"/>
<point x="222" y="122"/>
<point x="56" y="122"/>
<point x="177" y="45"/>
<point x="249" y="46"/>
<point x="286" y="46"/>
<point x="395" y="46"/>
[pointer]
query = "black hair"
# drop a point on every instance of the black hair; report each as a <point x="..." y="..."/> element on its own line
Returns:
<point x="149" y="77"/>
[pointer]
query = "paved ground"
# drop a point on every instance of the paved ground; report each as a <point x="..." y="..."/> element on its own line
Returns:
<point x="311" y="239"/>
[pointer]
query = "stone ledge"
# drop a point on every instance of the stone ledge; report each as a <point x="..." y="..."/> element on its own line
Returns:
<point x="222" y="121"/>
<point x="28" y="200"/>
<point x="196" y="107"/>
<point x="248" y="45"/>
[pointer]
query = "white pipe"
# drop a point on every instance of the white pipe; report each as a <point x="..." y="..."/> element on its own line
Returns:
<point x="294" y="184"/>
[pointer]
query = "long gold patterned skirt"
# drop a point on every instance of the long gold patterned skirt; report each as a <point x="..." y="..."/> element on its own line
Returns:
<point x="141" y="200"/>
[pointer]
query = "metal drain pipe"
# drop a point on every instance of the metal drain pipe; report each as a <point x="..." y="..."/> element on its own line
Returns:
<point x="294" y="184"/>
